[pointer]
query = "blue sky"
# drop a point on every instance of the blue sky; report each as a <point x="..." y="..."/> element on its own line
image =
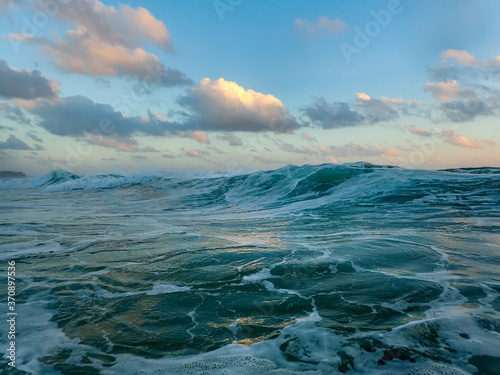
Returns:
<point x="247" y="84"/>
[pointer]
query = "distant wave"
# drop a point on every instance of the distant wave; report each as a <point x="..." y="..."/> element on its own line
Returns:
<point x="352" y="182"/>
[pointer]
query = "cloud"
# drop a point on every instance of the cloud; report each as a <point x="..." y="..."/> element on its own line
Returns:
<point x="365" y="110"/>
<point x="215" y="149"/>
<point x="298" y="150"/>
<point x="78" y="115"/>
<point x="5" y="5"/>
<point x="401" y="102"/>
<point x="332" y="115"/>
<point x="34" y="137"/>
<point x="25" y="84"/>
<point x="14" y="113"/>
<point x="467" y="109"/>
<point x="375" y="110"/>
<point x="444" y="91"/>
<point x="466" y="87"/>
<point x="363" y="96"/>
<point x="449" y="136"/>
<point x="308" y="138"/>
<point x="357" y="150"/>
<point x="477" y="94"/>
<point x="198" y="136"/>
<point x="226" y="106"/>
<point x="108" y="41"/>
<point x="193" y="153"/>
<point x="123" y="25"/>
<point x="460" y="65"/>
<point x="83" y="52"/>
<point x="464" y="58"/>
<point x="231" y="139"/>
<point x="419" y="131"/>
<point x="13" y="143"/>
<point x="323" y="26"/>
<point x="265" y="159"/>
<point x="488" y="141"/>
<point x="148" y="149"/>
<point x="117" y="143"/>
<point x="407" y="107"/>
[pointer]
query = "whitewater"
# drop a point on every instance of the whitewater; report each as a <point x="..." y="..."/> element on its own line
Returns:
<point x="326" y="269"/>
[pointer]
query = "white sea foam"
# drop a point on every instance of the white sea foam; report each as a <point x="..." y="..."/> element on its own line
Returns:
<point x="166" y="288"/>
<point x="257" y="277"/>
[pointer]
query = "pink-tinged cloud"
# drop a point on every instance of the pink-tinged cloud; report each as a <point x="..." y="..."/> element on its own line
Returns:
<point x="449" y="136"/>
<point x="109" y="142"/>
<point x="363" y="96"/>
<point x="123" y="144"/>
<point x="419" y="131"/>
<point x="117" y="25"/>
<point x="444" y="91"/>
<point x="108" y="41"/>
<point x="308" y="138"/>
<point x="227" y="106"/>
<point x="191" y="153"/>
<point x="199" y="154"/>
<point x="375" y="110"/>
<point x="488" y="141"/>
<point x="265" y="159"/>
<point x="198" y="136"/>
<point x="56" y="160"/>
<point x="401" y="102"/>
<point x="357" y="150"/>
<point x="464" y="58"/>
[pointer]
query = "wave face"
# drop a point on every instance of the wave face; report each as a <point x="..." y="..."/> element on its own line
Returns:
<point x="325" y="269"/>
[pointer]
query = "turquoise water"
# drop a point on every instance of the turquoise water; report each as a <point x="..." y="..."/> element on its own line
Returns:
<point x="324" y="269"/>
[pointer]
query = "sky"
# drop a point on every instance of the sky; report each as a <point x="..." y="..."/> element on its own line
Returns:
<point x="92" y="86"/>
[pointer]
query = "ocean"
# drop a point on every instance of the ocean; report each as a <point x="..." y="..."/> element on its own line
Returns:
<point x="326" y="269"/>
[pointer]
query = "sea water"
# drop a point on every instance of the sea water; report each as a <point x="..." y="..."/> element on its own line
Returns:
<point x="326" y="269"/>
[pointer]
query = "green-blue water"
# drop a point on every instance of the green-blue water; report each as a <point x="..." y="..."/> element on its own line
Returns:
<point x="302" y="270"/>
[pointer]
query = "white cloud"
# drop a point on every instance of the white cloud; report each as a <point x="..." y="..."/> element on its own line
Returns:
<point x="225" y="105"/>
